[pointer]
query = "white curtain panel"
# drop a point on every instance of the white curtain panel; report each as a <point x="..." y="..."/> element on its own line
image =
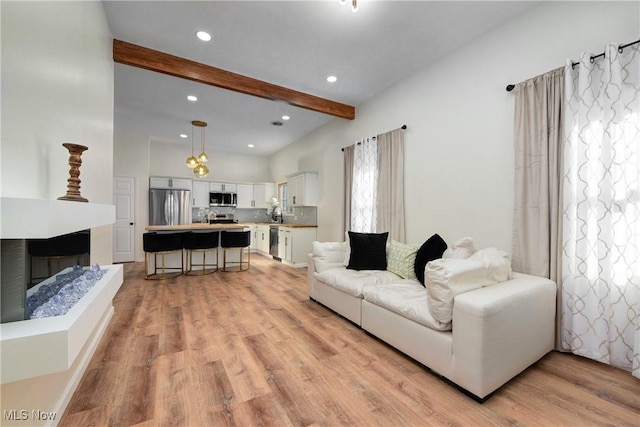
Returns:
<point x="601" y="209"/>
<point x="364" y="186"/>
<point x="390" y="198"/>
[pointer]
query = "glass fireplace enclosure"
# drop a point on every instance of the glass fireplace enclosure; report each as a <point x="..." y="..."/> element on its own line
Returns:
<point x="27" y="262"/>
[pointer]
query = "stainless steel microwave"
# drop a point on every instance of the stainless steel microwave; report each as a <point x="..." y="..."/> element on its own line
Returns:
<point x="223" y="199"/>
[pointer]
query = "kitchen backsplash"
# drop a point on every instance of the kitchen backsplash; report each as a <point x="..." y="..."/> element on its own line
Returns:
<point x="306" y="215"/>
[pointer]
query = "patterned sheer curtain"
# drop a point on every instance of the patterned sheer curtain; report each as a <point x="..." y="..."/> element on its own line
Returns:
<point x="601" y="209"/>
<point x="364" y="186"/>
<point x="348" y="185"/>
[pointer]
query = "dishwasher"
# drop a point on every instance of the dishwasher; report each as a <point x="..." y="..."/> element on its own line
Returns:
<point x="273" y="242"/>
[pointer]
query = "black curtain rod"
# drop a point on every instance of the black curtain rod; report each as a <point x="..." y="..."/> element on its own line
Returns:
<point x="591" y="59"/>
<point x="403" y="127"/>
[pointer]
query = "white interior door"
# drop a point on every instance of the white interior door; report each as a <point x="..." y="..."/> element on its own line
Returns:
<point x="124" y="229"/>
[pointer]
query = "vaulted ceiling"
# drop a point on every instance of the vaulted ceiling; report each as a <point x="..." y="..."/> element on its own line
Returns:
<point x="291" y="44"/>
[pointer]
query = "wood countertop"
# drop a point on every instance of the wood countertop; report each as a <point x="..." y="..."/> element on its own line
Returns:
<point x="213" y="227"/>
<point x="297" y="225"/>
<point x="277" y="224"/>
<point x="196" y="226"/>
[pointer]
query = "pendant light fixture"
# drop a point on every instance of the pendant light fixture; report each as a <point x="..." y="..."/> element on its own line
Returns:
<point x="192" y="161"/>
<point x="201" y="170"/>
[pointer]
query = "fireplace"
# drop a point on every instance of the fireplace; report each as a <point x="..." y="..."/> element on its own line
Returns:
<point x="43" y="359"/>
<point x="27" y="262"/>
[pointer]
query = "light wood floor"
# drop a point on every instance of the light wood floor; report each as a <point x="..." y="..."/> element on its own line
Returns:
<point x="250" y="349"/>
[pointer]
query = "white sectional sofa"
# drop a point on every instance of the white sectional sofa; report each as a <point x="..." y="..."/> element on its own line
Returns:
<point x="497" y="329"/>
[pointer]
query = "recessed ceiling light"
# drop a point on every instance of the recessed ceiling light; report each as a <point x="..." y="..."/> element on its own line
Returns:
<point x="203" y="35"/>
<point x="332" y="79"/>
<point x="250" y="145"/>
<point x="182" y="135"/>
<point x="285" y="117"/>
<point x="192" y="97"/>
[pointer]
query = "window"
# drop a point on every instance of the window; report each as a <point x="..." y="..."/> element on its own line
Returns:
<point x="283" y="198"/>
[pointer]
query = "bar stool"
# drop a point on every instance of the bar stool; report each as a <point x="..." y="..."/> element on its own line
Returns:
<point x="201" y="242"/>
<point x="67" y="245"/>
<point x="239" y="240"/>
<point x="163" y="244"/>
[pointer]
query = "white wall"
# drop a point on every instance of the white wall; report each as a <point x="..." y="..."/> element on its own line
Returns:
<point x="458" y="145"/>
<point x="57" y="86"/>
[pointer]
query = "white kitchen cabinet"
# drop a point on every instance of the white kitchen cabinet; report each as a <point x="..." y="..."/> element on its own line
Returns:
<point x="263" y="238"/>
<point x="303" y="189"/>
<point x="262" y="195"/>
<point x="245" y="196"/>
<point x="200" y="194"/>
<point x="170" y="183"/>
<point x="294" y="244"/>
<point x="254" y="237"/>
<point x="284" y="243"/>
<point x="255" y="196"/>
<point x="222" y="187"/>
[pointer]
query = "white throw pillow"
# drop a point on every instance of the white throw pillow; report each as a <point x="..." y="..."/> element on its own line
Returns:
<point x="347" y="250"/>
<point x="446" y="278"/>
<point x="461" y="249"/>
<point x="327" y="255"/>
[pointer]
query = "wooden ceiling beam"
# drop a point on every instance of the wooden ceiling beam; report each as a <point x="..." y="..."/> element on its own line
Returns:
<point x="153" y="60"/>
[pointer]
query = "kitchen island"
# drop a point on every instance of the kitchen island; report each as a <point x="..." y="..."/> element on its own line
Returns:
<point x="198" y="226"/>
<point x="177" y="259"/>
<point x="212" y="227"/>
<point x="290" y="244"/>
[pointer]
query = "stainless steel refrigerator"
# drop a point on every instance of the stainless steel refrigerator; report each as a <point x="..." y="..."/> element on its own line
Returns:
<point x="169" y="207"/>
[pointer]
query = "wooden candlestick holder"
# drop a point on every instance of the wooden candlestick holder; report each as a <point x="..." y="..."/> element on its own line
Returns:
<point x="73" y="183"/>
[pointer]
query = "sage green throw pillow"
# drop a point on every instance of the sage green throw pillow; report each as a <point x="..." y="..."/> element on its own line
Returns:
<point x="401" y="259"/>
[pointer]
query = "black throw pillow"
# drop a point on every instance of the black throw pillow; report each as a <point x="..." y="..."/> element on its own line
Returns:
<point x="432" y="249"/>
<point x="368" y="251"/>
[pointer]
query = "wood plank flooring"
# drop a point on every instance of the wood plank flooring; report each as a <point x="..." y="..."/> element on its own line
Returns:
<point x="250" y="349"/>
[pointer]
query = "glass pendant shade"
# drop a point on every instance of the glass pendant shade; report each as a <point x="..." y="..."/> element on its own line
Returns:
<point x="201" y="170"/>
<point x="203" y="157"/>
<point x="192" y="162"/>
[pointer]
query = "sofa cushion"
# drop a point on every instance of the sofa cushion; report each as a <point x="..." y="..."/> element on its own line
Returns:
<point x="401" y="259"/>
<point x="328" y="254"/>
<point x="448" y="277"/>
<point x="368" y="251"/>
<point x="353" y="282"/>
<point x="460" y="249"/>
<point x="430" y="250"/>
<point x="408" y="298"/>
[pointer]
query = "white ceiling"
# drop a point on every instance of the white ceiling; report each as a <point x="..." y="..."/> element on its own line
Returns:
<point x="295" y="44"/>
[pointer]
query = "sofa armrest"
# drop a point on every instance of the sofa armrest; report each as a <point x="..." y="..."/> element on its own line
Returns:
<point x="500" y="330"/>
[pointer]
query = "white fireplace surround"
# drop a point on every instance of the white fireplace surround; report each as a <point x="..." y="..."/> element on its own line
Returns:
<point x="36" y="347"/>
<point x="43" y="360"/>
<point x="45" y="218"/>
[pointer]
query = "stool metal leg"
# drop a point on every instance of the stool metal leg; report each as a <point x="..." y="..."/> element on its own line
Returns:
<point x="243" y="264"/>
<point x="213" y="266"/>
<point x="165" y="272"/>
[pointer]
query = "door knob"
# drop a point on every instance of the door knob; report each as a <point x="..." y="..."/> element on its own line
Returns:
<point x="130" y="223"/>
